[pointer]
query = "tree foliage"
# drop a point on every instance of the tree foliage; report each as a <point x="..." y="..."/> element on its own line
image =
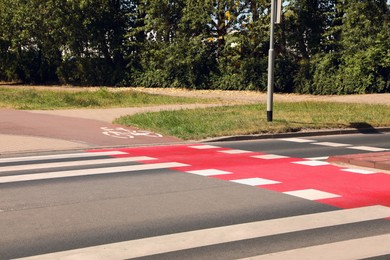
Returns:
<point x="322" y="46"/>
<point x="361" y="61"/>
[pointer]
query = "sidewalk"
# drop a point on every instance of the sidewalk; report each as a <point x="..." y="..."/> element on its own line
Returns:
<point x="18" y="144"/>
<point x="377" y="160"/>
<point x="32" y="131"/>
<point x="26" y="132"/>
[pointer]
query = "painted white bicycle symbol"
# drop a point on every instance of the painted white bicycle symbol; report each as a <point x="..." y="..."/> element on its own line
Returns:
<point x="123" y="133"/>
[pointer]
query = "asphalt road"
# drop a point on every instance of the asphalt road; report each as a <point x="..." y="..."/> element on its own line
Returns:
<point x="313" y="149"/>
<point x="197" y="201"/>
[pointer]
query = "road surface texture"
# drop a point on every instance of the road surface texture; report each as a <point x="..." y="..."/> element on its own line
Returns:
<point x="267" y="199"/>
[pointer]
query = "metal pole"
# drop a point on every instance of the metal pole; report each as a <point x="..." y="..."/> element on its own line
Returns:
<point x="271" y="63"/>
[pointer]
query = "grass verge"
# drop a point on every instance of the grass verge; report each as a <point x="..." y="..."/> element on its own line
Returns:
<point x="30" y="98"/>
<point x="250" y="119"/>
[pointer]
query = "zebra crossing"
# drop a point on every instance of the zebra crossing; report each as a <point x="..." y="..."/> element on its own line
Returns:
<point x="154" y="246"/>
<point x="335" y="144"/>
<point x="368" y="247"/>
<point x="365" y="206"/>
<point x="19" y="172"/>
<point x="310" y="178"/>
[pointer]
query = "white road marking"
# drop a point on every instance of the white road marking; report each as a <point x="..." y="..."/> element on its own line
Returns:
<point x="219" y="235"/>
<point x="209" y="172"/>
<point x="74" y="163"/>
<point x="74" y="173"/>
<point x="234" y="151"/>
<point x="330" y="144"/>
<point x="360" y="171"/>
<point x="270" y="156"/>
<point x="201" y="147"/>
<point x="123" y="133"/>
<point x="312" y="163"/>
<point x="298" y="140"/>
<point x="317" y="158"/>
<point x="369" y="148"/>
<point x="360" y="248"/>
<point x="61" y="156"/>
<point x="312" y="194"/>
<point x="255" y="181"/>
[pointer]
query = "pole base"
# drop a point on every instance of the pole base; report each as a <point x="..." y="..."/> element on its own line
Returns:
<point x="269" y="116"/>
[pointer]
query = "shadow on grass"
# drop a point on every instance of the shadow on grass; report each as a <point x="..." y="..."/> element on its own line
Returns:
<point x="361" y="127"/>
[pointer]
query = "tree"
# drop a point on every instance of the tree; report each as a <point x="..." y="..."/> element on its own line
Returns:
<point x="32" y="35"/>
<point x="361" y="61"/>
<point x="303" y="36"/>
<point x="96" y="41"/>
<point x="322" y="46"/>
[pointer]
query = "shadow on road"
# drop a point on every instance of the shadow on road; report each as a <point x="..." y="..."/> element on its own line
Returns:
<point x="364" y="128"/>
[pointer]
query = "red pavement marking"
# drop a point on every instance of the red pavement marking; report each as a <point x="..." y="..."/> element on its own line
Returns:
<point x="355" y="190"/>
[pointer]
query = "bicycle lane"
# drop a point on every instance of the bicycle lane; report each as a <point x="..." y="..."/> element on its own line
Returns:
<point x="92" y="133"/>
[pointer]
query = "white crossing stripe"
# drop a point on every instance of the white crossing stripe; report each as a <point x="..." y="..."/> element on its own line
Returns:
<point x="219" y="235"/>
<point x="61" y="156"/>
<point x="330" y="144"/>
<point x="345" y="250"/>
<point x="298" y="140"/>
<point x="317" y="158"/>
<point x="74" y="163"/>
<point x="312" y="194"/>
<point x="234" y="151"/>
<point x="74" y="173"/>
<point x="209" y="172"/>
<point x="368" y="148"/>
<point x="202" y="147"/>
<point x="255" y="181"/>
<point x="312" y="163"/>
<point x="270" y="156"/>
<point x="360" y="171"/>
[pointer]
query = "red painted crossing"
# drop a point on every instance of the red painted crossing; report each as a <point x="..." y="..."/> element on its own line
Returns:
<point x="335" y="186"/>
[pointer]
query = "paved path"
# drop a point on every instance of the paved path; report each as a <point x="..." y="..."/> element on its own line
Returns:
<point x="108" y="115"/>
<point x="32" y="131"/>
<point x="247" y="96"/>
